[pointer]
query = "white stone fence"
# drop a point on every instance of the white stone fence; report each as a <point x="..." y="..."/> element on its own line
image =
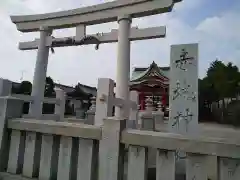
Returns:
<point x="105" y="103"/>
<point x="59" y="101"/>
<point x="31" y="148"/>
<point x="62" y="150"/>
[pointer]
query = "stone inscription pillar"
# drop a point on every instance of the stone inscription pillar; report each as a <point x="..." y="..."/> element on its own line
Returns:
<point x="183" y="96"/>
<point x="123" y="63"/>
<point x="40" y="73"/>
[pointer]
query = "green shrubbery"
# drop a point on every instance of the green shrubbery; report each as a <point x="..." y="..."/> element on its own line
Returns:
<point x="221" y="82"/>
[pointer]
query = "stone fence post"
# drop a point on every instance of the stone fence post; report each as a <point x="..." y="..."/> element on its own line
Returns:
<point x="60" y="108"/>
<point x="91" y="112"/>
<point x="5" y="87"/>
<point x="10" y="107"/>
<point x="104" y="107"/>
<point x="111" y="152"/>
<point x="148" y="124"/>
<point x="132" y="122"/>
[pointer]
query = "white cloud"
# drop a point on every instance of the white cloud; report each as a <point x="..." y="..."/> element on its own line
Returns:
<point x="187" y="5"/>
<point x="223" y="34"/>
<point x="84" y="64"/>
<point x="226" y="26"/>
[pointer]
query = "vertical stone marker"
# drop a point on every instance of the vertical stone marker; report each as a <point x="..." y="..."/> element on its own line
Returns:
<point x="183" y="100"/>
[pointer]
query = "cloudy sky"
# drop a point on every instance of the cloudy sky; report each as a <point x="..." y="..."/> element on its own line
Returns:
<point x="214" y="24"/>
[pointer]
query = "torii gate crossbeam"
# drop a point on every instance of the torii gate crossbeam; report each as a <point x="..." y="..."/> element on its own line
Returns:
<point x="109" y="37"/>
<point x="97" y="14"/>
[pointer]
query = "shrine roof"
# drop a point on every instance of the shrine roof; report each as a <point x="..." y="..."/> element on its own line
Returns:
<point x="139" y="72"/>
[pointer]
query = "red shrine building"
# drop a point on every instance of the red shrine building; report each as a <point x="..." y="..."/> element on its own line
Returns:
<point x="152" y="81"/>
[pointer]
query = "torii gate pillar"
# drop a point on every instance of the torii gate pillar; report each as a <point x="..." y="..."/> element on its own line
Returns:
<point x="40" y="72"/>
<point x="123" y="63"/>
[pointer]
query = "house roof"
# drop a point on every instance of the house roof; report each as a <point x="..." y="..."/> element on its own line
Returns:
<point x="16" y="84"/>
<point x="68" y="89"/>
<point x="139" y="73"/>
<point x="65" y="88"/>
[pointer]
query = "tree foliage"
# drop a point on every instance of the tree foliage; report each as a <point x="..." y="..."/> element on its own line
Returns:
<point x="49" y="87"/>
<point x="25" y="87"/>
<point x="222" y="81"/>
<point x="49" y="92"/>
<point x="225" y="78"/>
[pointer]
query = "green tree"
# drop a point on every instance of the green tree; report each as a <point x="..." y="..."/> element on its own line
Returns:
<point x="225" y="79"/>
<point x="207" y="92"/>
<point x="233" y="78"/>
<point x="24" y="88"/>
<point x="49" y="87"/>
<point x="217" y="76"/>
<point x="49" y="92"/>
<point x="222" y="81"/>
<point x="207" y="95"/>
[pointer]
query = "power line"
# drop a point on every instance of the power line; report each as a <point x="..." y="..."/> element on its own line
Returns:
<point x="22" y="73"/>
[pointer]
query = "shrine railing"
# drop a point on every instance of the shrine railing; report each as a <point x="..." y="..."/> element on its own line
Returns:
<point x="63" y="150"/>
<point x="58" y="102"/>
<point x="66" y="150"/>
<point x="57" y="110"/>
<point x="197" y="149"/>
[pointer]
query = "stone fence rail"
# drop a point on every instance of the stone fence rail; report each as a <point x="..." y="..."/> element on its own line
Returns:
<point x="63" y="150"/>
<point x="28" y="98"/>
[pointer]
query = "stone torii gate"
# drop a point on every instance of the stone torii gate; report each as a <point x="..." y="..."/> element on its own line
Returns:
<point x="120" y="10"/>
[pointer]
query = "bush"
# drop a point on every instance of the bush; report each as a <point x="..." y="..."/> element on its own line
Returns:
<point x="236" y="118"/>
<point x="48" y="108"/>
<point x="232" y="113"/>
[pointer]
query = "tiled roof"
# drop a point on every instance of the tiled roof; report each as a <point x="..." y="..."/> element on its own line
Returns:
<point x="86" y="89"/>
<point x="68" y="89"/>
<point x="144" y="68"/>
<point x="15" y="84"/>
<point x="139" y="72"/>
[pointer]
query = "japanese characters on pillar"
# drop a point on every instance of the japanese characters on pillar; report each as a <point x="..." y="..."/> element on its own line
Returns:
<point x="183" y="99"/>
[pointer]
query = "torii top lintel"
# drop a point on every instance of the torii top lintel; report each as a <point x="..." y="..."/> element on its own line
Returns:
<point x="97" y="14"/>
